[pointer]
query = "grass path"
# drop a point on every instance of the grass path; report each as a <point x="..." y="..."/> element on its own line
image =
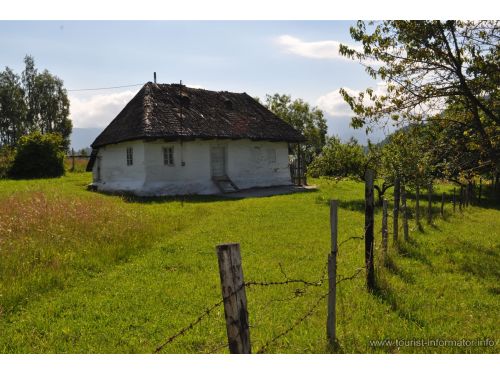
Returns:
<point x="443" y="284"/>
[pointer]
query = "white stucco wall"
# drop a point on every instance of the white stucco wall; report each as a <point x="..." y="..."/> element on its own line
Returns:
<point x="248" y="164"/>
<point x="116" y="175"/>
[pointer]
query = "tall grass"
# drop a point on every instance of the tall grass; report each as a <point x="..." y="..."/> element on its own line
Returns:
<point x="79" y="166"/>
<point x="46" y="238"/>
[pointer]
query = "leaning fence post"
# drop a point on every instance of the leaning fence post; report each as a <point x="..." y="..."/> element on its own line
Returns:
<point x="405" y="212"/>
<point x="384" y="229"/>
<point x="332" y="275"/>
<point x="395" y="213"/>
<point x="369" y="213"/>
<point x="442" y="205"/>
<point x="235" y="300"/>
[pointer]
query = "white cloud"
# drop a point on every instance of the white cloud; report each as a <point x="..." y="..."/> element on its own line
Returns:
<point x="98" y="111"/>
<point x="333" y="103"/>
<point x="324" y="49"/>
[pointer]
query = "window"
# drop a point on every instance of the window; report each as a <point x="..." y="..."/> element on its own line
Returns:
<point x="168" y="156"/>
<point x="130" y="156"/>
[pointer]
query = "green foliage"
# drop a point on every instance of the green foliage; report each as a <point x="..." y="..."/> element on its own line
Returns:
<point x="431" y="67"/>
<point x="339" y="159"/>
<point x="33" y="102"/>
<point x="6" y="160"/>
<point x="38" y="155"/>
<point x="12" y="108"/>
<point x="406" y="155"/>
<point x="309" y="121"/>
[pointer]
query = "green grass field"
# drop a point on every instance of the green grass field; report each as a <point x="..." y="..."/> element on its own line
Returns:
<point x="82" y="272"/>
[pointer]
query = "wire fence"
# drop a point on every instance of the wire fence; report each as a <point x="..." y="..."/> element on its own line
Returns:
<point x="270" y="283"/>
<point x="303" y="285"/>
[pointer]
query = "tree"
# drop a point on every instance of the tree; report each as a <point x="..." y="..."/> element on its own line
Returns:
<point x="12" y="108"/>
<point x="38" y="155"/>
<point x="404" y="155"/>
<point x="310" y="122"/>
<point x="34" y="102"/>
<point x="429" y="66"/>
<point x="52" y="115"/>
<point x="339" y="159"/>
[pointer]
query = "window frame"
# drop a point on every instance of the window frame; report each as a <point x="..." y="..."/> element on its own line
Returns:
<point x="168" y="156"/>
<point x="130" y="156"/>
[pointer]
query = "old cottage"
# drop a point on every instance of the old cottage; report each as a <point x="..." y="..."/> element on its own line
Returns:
<point x="171" y="139"/>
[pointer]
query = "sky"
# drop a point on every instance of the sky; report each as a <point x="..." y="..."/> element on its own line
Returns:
<point x="299" y="58"/>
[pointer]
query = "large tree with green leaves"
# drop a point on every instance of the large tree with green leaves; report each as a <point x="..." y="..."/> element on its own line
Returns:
<point x="33" y="102"/>
<point x="12" y="108"/>
<point x="310" y="121"/>
<point x="406" y="155"/>
<point x="429" y="67"/>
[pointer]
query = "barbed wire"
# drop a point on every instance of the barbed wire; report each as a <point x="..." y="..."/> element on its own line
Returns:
<point x="249" y="284"/>
<point x="190" y="326"/>
<point x="308" y="314"/>
<point x="218" y="348"/>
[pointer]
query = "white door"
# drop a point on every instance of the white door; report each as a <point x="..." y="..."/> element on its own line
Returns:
<point x="218" y="156"/>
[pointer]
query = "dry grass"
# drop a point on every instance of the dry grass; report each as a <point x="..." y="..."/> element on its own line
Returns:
<point x="46" y="236"/>
<point x="80" y="164"/>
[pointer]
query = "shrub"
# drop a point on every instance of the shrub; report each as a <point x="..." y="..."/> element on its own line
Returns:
<point x="339" y="159"/>
<point x="38" y="155"/>
<point x="6" y="160"/>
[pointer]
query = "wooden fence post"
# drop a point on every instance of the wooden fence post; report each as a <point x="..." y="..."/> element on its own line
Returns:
<point x="332" y="275"/>
<point x="235" y="300"/>
<point x="454" y="200"/>
<point x="395" y="213"/>
<point x="480" y="189"/>
<point x="72" y="160"/>
<point x="369" y="216"/>
<point x="467" y="191"/>
<point x="442" y="204"/>
<point x="417" y="205"/>
<point x="429" y="206"/>
<point x="384" y="229"/>
<point x="404" y="212"/>
<point x="461" y="198"/>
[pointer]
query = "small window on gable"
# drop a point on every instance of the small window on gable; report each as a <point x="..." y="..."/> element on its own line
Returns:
<point x="271" y="155"/>
<point x="130" y="156"/>
<point x="168" y="156"/>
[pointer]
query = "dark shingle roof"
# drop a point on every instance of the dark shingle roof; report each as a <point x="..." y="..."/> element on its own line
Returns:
<point x="162" y="111"/>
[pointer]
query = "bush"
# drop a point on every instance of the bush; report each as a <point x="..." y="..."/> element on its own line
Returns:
<point x="339" y="159"/>
<point x="38" y="155"/>
<point x="6" y="160"/>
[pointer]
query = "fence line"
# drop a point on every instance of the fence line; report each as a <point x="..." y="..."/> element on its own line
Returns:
<point x="241" y="335"/>
<point x="307" y="283"/>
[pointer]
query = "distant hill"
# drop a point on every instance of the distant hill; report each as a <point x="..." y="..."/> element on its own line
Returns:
<point x="339" y="126"/>
<point x="83" y="137"/>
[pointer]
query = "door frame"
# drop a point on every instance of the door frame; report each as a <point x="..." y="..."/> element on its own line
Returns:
<point x="224" y="154"/>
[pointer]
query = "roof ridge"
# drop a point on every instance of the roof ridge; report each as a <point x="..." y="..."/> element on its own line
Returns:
<point x="151" y="114"/>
